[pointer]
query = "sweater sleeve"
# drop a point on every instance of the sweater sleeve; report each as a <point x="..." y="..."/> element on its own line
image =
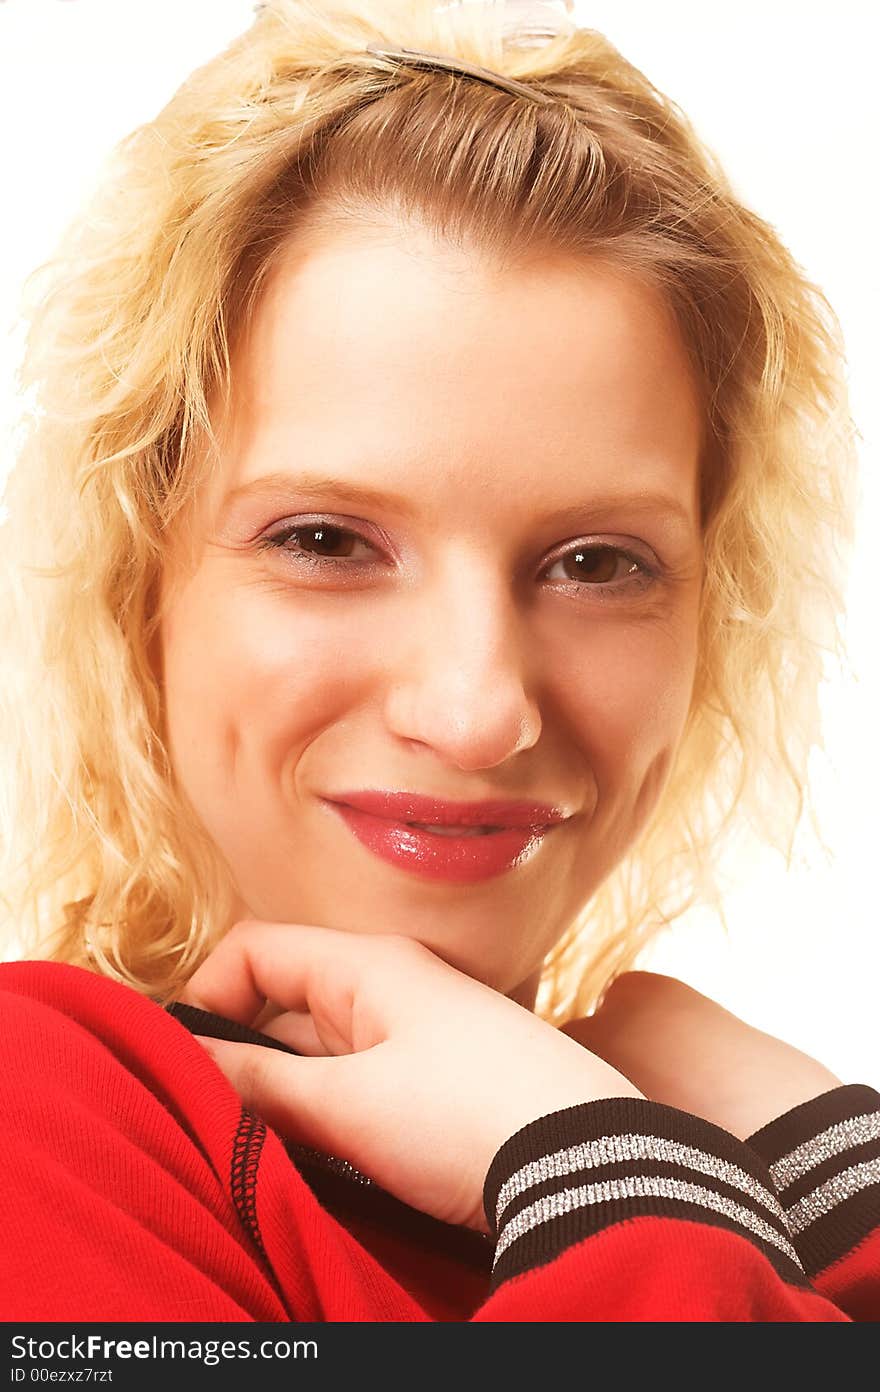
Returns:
<point x="625" y="1209"/>
<point x="824" y="1161"/>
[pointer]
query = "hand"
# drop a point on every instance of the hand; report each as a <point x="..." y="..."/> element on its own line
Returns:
<point x="681" y="1048"/>
<point x="415" y="1073"/>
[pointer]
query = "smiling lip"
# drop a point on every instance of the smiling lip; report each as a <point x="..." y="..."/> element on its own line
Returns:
<point x="380" y="822"/>
<point x="414" y="807"/>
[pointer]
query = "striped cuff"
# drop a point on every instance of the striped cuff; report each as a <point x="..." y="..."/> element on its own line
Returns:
<point x="824" y="1159"/>
<point x="576" y="1171"/>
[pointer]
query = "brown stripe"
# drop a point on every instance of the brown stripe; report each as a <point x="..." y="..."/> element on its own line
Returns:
<point x="548" y="1240"/>
<point x="830" y="1238"/>
<point x="827" y="1169"/>
<point x="596" y="1174"/>
<point x="609" y="1118"/>
<point x="802" y="1123"/>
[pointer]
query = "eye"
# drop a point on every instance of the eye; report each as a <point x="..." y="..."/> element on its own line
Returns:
<point x="319" y="543"/>
<point x="607" y="571"/>
<point x="591" y="569"/>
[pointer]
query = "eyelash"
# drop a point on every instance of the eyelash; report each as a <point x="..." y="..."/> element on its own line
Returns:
<point x="649" y="575"/>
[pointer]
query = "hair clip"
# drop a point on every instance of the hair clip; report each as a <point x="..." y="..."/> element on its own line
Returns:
<point x="527" y="24"/>
<point x="415" y="58"/>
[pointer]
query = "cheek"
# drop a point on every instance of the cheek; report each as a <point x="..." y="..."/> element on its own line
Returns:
<point x="245" y="671"/>
<point x="627" y="693"/>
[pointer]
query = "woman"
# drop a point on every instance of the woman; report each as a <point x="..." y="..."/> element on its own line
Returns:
<point x="435" y="566"/>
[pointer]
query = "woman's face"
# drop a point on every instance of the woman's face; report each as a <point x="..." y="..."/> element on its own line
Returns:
<point x="452" y="549"/>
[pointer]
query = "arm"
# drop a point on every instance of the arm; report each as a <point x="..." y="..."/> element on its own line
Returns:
<point x="819" y="1140"/>
<point x="824" y="1160"/>
<point x="628" y="1210"/>
<point x="603" y="1203"/>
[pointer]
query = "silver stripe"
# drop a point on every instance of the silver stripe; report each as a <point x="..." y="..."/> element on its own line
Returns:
<point x="831" y="1193"/>
<point x="652" y="1186"/>
<point x="610" y="1150"/>
<point x="827" y="1144"/>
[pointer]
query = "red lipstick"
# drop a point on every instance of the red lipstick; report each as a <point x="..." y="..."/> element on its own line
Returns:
<point x="495" y="835"/>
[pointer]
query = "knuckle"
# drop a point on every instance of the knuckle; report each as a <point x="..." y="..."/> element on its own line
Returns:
<point x="243" y="928"/>
<point x="399" y="944"/>
<point x="247" y="926"/>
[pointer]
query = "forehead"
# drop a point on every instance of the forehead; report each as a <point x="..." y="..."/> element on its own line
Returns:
<point x="399" y="298"/>
<point x="383" y="344"/>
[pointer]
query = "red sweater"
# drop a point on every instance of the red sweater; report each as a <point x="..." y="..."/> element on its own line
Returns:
<point x="137" y="1187"/>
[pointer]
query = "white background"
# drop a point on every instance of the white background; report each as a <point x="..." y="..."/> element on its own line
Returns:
<point x="784" y="91"/>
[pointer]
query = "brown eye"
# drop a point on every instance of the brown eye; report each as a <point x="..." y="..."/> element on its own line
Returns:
<point x="598" y="564"/>
<point x="322" y="540"/>
<point x="604" y="572"/>
<point x="317" y="543"/>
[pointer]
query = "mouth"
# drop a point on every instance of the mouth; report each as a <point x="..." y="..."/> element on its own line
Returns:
<point x="428" y="813"/>
<point x="458" y="852"/>
<point x="455" y="831"/>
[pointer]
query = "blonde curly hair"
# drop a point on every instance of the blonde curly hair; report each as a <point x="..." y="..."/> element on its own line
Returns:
<point x="104" y="863"/>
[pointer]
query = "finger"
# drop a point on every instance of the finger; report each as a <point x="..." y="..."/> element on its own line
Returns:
<point x="258" y="961"/>
<point x="298" y="1029"/>
<point x="319" y="1102"/>
<point x="266" y="1016"/>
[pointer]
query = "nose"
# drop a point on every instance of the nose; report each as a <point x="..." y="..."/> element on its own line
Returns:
<point x="462" y="685"/>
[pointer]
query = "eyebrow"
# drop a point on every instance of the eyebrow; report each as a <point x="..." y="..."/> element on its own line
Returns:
<point x="343" y="491"/>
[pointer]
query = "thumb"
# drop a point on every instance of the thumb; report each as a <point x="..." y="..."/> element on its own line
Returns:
<point x="318" y="1102"/>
